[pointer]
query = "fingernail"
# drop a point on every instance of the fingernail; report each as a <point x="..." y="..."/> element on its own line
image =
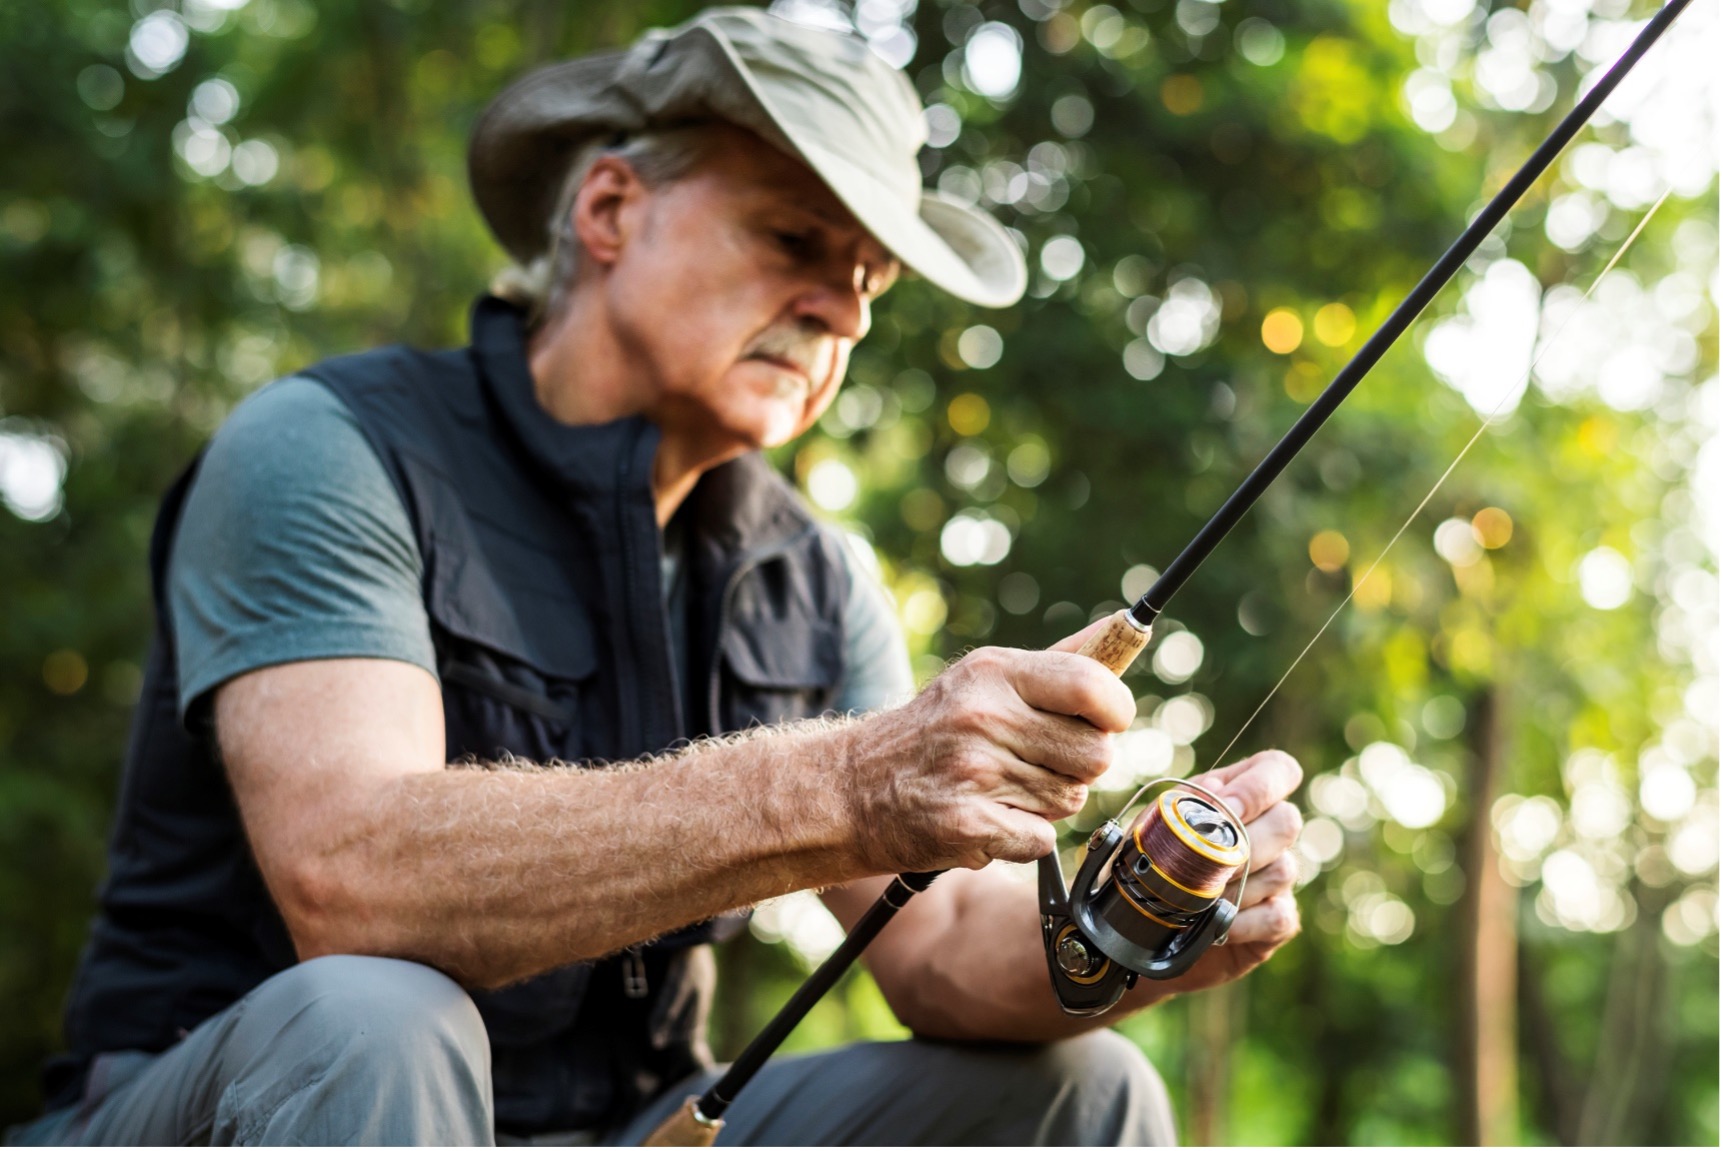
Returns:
<point x="1234" y="802"/>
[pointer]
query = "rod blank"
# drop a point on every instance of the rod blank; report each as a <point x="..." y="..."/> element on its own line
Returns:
<point x="1154" y="601"/>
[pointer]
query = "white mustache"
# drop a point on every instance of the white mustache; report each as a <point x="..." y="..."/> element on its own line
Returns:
<point x="800" y="344"/>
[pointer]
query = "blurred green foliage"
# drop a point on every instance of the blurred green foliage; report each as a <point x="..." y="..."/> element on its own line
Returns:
<point x="1219" y="201"/>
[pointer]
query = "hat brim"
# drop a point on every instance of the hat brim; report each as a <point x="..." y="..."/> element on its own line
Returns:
<point x="951" y="245"/>
<point x="524" y="143"/>
<point x="526" y="139"/>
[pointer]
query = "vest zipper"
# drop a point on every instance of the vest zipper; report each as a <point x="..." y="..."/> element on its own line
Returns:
<point x="636" y="617"/>
<point x="634" y="974"/>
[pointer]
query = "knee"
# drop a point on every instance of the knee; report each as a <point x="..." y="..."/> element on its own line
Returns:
<point x="1101" y="1089"/>
<point x="355" y="1049"/>
<point x="375" y="1004"/>
<point x="1101" y="1061"/>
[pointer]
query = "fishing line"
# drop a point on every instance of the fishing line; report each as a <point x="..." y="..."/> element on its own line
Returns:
<point x="1520" y="383"/>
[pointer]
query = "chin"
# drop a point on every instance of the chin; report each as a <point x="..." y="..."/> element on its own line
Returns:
<point x="781" y="428"/>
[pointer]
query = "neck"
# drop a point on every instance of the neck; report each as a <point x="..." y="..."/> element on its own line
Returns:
<point x="583" y="374"/>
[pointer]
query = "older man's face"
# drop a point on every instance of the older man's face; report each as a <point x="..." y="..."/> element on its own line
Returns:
<point x="742" y="291"/>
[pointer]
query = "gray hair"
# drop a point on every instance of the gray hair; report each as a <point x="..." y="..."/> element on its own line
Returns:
<point x="542" y="285"/>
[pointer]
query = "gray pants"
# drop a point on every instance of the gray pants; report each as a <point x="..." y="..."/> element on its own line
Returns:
<point x="354" y="1050"/>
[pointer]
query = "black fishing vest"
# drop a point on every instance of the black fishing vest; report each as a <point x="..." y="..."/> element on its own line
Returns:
<point x="542" y="580"/>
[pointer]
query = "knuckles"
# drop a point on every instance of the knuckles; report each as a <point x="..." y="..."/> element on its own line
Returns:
<point x="1290" y="819"/>
<point x="1278" y="874"/>
<point x="1071" y="799"/>
<point x="1096" y="757"/>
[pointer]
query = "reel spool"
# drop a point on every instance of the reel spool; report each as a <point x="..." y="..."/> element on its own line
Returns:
<point x="1147" y="903"/>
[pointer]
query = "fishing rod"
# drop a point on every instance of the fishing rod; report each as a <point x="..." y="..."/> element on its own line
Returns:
<point x="1149" y="902"/>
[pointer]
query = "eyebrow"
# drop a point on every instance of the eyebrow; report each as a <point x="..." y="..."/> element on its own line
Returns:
<point x="824" y="216"/>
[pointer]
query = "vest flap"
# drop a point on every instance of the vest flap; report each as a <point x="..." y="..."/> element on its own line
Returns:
<point x="762" y="659"/>
<point x="546" y="632"/>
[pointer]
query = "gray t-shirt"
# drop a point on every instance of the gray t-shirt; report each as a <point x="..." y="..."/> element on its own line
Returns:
<point x="294" y="545"/>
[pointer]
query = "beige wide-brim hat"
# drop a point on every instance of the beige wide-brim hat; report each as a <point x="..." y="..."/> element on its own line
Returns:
<point x="823" y="97"/>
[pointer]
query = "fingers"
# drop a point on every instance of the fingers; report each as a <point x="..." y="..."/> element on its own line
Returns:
<point x="1021" y="838"/>
<point x="1072" y="643"/>
<point x="1252" y="786"/>
<point x="1267" y="924"/>
<point x="1271" y="882"/>
<point x="1272" y="833"/>
<point x="1052" y="710"/>
<point x="1074" y="749"/>
<point x="1003" y="743"/>
<point x="1065" y="683"/>
<point x="1034" y="788"/>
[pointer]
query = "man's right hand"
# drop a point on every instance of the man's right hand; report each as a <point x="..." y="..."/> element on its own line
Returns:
<point x="979" y="765"/>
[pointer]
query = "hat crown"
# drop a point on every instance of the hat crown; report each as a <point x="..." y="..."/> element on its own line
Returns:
<point x="824" y="87"/>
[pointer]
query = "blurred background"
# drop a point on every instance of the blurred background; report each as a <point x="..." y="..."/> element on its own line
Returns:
<point x="1510" y="735"/>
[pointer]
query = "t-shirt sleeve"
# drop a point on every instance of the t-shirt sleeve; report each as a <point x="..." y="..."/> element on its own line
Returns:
<point x="876" y="659"/>
<point x="292" y="545"/>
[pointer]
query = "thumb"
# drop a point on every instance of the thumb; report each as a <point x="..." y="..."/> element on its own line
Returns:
<point x="1077" y="640"/>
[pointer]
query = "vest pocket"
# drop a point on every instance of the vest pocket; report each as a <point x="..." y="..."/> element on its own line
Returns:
<point x="471" y="675"/>
<point x="780" y="676"/>
<point x="516" y="664"/>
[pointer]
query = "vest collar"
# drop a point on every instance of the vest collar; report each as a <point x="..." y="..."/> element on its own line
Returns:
<point x="741" y="507"/>
<point x="580" y="460"/>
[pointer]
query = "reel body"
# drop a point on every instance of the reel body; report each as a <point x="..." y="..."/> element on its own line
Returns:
<point x="1147" y="903"/>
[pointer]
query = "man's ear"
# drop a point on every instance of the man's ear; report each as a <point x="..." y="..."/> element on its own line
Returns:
<point x="606" y="209"/>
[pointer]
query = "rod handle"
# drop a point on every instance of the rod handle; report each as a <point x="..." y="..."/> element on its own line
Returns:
<point x="685" y="1127"/>
<point x="1117" y="645"/>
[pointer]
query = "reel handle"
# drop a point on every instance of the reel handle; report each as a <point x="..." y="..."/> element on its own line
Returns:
<point x="1084" y="979"/>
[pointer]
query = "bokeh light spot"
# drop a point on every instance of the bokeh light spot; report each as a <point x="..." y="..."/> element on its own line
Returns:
<point x="1178" y="657"/>
<point x="1282" y="331"/>
<point x="1329" y="550"/>
<point x="1455" y="543"/>
<point x="65" y="672"/>
<point x="1182" y="94"/>
<point x="832" y="485"/>
<point x="1334" y="324"/>
<point x="1028" y="463"/>
<point x="1605" y="578"/>
<point x="993" y="60"/>
<point x="1019" y="593"/>
<point x="1493" y="528"/>
<point x="1062" y="257"/>
<point x="980" y="346"/>
<point x="968" y="414"/>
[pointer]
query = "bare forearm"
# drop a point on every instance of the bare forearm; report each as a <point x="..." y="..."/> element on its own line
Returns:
<point x="496" y="875"/>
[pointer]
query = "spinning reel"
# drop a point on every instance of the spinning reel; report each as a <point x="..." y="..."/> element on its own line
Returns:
<point x="1147" y="903"/>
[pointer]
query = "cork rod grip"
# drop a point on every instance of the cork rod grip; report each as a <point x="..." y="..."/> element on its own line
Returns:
<point x="685" y="1128"/>
<point x="1117" y="645"/>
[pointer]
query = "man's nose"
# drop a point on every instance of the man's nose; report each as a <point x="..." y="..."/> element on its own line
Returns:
<point x="841" y="308"/>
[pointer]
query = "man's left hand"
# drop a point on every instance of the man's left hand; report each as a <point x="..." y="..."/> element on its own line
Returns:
<point x="1257" y="789"/>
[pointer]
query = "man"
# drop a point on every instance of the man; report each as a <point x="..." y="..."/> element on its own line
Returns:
<point x="411" y="838"/>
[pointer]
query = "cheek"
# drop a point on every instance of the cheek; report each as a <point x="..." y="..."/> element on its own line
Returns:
<point x="822" y="399"/>
<point x="685" y="335"/>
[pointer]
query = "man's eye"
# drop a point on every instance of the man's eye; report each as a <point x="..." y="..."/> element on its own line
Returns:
<point x="795" y="243"/>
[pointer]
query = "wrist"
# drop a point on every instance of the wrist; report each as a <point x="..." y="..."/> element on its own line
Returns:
<point x="806" y="800"/>
<point x="845" y="750"/>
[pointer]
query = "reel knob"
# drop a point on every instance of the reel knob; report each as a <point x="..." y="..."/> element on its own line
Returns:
<point x="1074" y="956"/>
